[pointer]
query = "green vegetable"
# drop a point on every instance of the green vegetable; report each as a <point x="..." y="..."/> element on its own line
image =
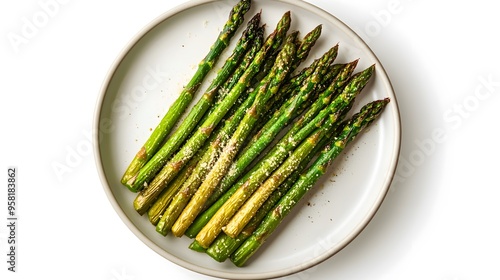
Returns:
<point x="160" y="133"/>
<point x="223" y="246"/>
<point x="207" y="158"/>
<point x="243" y="189"/>
<point x="269" y="85"/>
<point x="355" y="125"/>
<point x="147" y="196"/>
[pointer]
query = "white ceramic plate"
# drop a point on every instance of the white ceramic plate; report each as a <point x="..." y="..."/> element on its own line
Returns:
<point x="146" y="79"/>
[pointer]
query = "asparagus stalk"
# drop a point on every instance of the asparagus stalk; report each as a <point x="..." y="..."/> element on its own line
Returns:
<point x="269" y="86"/>
<point x="265" y="69"/>
<point x="356" y="124"/>
<point x="157" y="209"/>
<point x="195" y="246"/>
<point x="143" y="201"/>
<point x="179" y="106"/>
<point x="239" y="193"/>
<point x="303" y="51"/>
<point x="333" y="72"/>
<point x="306" y="46"/>
<point x="296" y="80"/>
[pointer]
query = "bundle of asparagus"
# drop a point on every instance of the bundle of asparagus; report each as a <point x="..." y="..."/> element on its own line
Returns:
<point x="131" y="177"/>
<point x="217" y="178"/>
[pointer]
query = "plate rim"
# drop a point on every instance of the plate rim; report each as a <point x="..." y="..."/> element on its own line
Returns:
<point x="216" y="273"/>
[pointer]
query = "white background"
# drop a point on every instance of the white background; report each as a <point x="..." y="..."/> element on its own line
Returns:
<point x="439" y="221"/>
